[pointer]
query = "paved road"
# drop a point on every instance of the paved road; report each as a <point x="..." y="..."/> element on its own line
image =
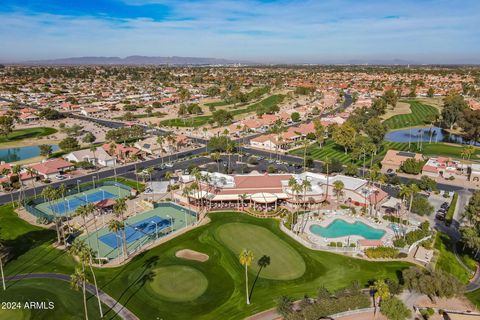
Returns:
<point x="127" y="171"/>
<point x="113" y="304"/>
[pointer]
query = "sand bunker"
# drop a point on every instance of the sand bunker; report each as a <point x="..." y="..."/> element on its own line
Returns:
<point x="191" y="255"/>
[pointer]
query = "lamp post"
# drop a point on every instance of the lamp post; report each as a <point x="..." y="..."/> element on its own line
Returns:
<point x="171" y="222"/>
<point x="156" y="229"/>
<point x="78" y="185"/>
<point x="185" y="215"/>
<point x="93" y="181"/>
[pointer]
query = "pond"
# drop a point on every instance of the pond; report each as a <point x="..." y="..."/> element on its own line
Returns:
<point x="22" y="153"/>
<point x="426" y="134"/>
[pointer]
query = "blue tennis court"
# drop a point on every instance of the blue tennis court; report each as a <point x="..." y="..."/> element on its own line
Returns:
<point x="133" y="232"/>
<point x="80" y="199"/>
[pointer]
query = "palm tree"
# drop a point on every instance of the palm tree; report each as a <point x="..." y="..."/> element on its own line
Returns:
<point x="186" y="193"/>
<point x="86" y="255"/>
<point x="77" y="280"/>
<point x="1" y="266"/>
<point x="17" y="169"/>
<point x="33" y="174"/>
<point x="61" y="193"/>
<point x="49" y="193"/>
<point x="293" y="185"/>
<point x="243" y="197"/>
<point x="404" y="193"/>
<point x="93" y="149"/>
<point x="327" y="162"/>
<point x="380" y="291"/>
<point x="229" y="148"/>
<point x="263" y="262"/>
<point x="216" y="157"/>
<point x="305" y="146"/>
<point x="111" y="148"/>
<point x="161" y="141"/>
<point x="246" y="257"/>
<point x="297" y="189"/>
<point x="115" y="227"/>
<point x="119" y="209"/>
<point x="414" y="189"/>
<point x="197" y="175"/>
<point x="306" y="184"/>
<point x="338" y="188"/>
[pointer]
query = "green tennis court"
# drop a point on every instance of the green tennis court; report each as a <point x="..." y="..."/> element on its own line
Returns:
<point x="141" y="229"/>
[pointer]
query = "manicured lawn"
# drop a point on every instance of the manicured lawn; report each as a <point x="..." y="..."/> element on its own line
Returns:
<point x="27" y="133"/>
<point x="447" y="261"/>
<point x="288" y="264"/>
<point x="178" y="283"/>
<point x="141" y="284"/>
<point x="217" y="104"/>
<point x="267" y="102"/>
<point x="187" y="122"/>
<point x="333" y="151"/>
<point x="446" y="150"/>
<point x="202" y="120"/>
<point x="418" y="116"/>
<point x="30" y="247"/>
<point x="474" y="297"/>
<point x="67" y="303"/>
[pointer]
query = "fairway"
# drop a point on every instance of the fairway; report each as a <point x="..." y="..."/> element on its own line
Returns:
<point x="202" y="120"/>
<point x="67" y="303"/>
<point x="27" y="133"/>
<point x="285" y="262"/>
<point x="417" y="117"/>
<point x="179" y="283"/>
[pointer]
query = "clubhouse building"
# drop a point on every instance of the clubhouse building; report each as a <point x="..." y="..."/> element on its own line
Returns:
<point x="267" y="192"/>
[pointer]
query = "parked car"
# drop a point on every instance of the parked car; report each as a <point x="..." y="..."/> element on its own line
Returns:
<point x="440" y="217"/>
<point x="168" y="165"/>
<point x="60" y="177"/>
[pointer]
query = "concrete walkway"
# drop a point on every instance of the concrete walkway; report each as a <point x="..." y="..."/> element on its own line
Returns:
<point x="113" y="304"/>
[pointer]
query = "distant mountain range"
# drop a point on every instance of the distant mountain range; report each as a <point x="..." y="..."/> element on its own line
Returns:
<point x="136" y="60"/>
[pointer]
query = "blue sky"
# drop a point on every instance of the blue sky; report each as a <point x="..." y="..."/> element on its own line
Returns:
<point x="312" y="31"/>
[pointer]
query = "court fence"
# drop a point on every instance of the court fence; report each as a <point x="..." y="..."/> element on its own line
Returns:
<point x="71" y="189"/>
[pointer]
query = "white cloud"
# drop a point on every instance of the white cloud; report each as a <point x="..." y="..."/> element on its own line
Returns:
<point x="272" y="31"/>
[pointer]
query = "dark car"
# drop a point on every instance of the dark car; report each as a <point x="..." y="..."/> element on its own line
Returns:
<point x="440" y="217"/>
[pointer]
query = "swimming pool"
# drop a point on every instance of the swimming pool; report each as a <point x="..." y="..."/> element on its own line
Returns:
<point x="341" y="228"/>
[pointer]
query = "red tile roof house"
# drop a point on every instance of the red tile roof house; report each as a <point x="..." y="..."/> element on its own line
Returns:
<point x="50" y="168"/>
<point x="121" y="152"/>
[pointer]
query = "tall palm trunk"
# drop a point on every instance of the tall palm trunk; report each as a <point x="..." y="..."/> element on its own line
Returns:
<point x="96" y="289"/>
<point x="85" y="299"/>
<point x="125" y="250"/>
<point x="56" y="222"/>
<point x="3" y="276"/>
<point x="246" y="283"/>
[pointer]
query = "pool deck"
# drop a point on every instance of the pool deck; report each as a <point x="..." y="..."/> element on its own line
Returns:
<point x="326" y="218"/>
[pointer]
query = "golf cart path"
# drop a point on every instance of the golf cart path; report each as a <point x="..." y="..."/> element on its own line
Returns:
<point x="106" y="299"/>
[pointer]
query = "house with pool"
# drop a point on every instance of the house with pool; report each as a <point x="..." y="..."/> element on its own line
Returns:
<point x="267" y="192"/>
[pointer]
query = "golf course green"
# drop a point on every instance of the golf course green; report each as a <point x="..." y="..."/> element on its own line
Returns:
<point x="286" y="263"/>
<point x="157" y="284"/>
<point x="178" y="283"/>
